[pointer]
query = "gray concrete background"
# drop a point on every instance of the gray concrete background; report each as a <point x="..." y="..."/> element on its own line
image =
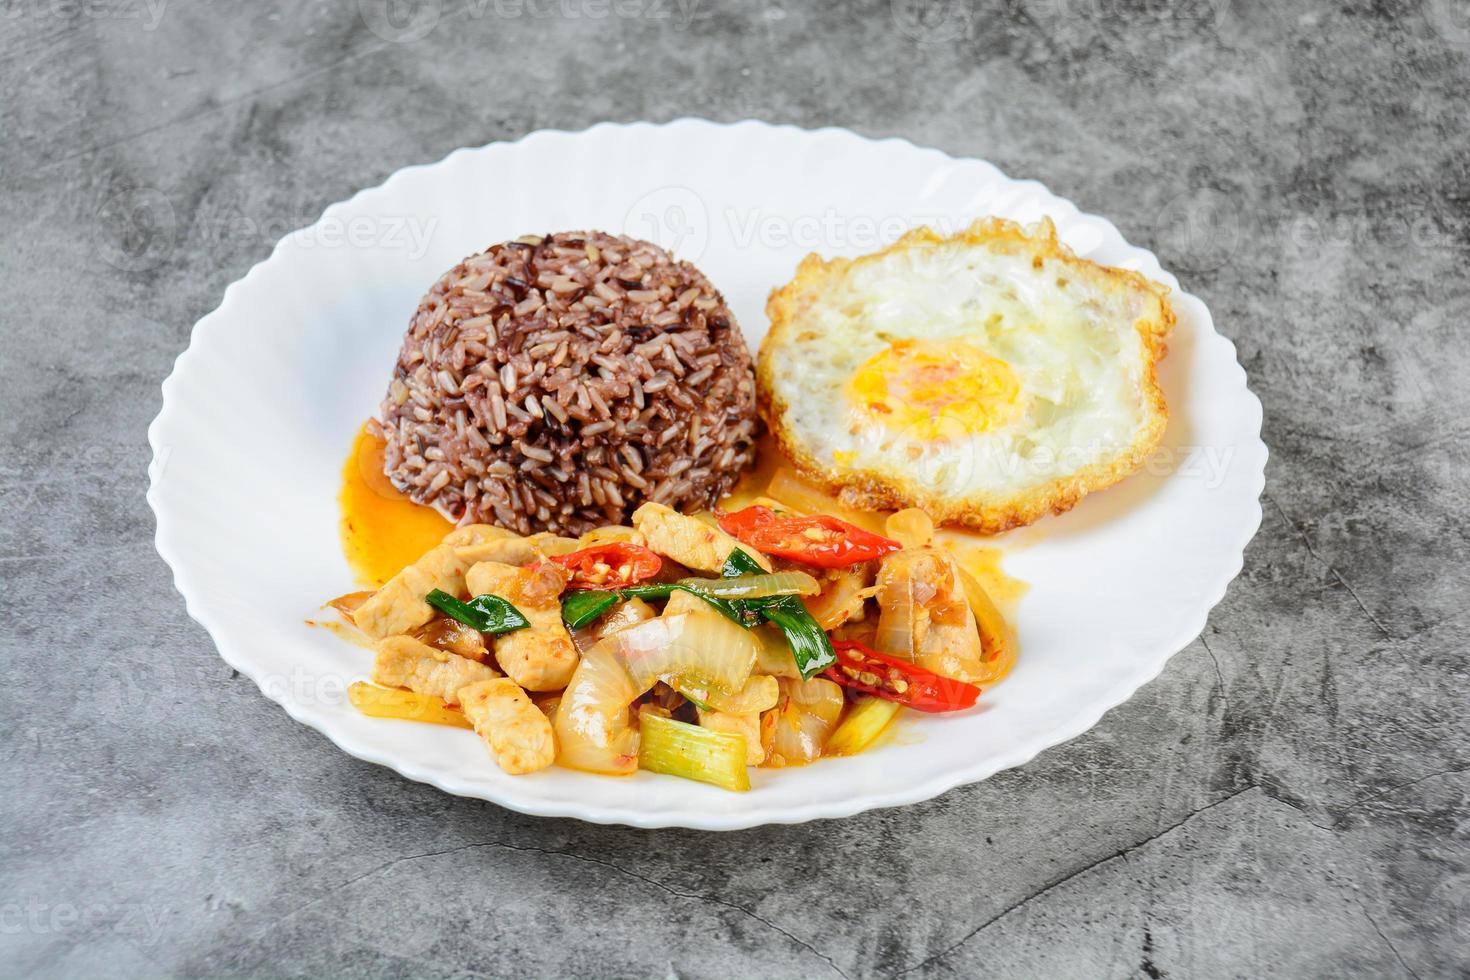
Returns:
<point x="1288" y="799"/>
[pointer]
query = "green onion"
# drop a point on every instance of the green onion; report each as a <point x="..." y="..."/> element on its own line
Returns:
<point x="810" y="646"/>
<point x="739" y="562"/>
<point x="582" y="607"/>
<point x="863" y="724"/>
<point x="486" y="613"/>
<point x="679" y="749"/>
<point x="758" y="586"/>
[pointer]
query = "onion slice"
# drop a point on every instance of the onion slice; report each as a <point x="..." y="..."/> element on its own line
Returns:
<point x="753" y="586"/>
<point x="760" y="693"/>
<point x="896" y="607"/>
<point x="594" y="730"/>
<point x="702" y="649"/>
<point x="805" y="717"/>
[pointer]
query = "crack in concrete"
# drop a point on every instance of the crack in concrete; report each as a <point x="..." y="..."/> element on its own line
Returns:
<point x="1328" y="565"/>
<point x="1386" y="941"/>
<point x="402" y="859"/>
<point x="1340" y="818"/>
<point x="1122" y="853"/>
<point x="1219" y="677"/>
<point x="1342" y="814"/>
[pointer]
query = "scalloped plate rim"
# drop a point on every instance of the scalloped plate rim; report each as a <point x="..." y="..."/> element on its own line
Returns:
<point x="1120" y="690"/>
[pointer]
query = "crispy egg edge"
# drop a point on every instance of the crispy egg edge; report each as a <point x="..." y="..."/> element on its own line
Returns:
<point x="866" y="489"/>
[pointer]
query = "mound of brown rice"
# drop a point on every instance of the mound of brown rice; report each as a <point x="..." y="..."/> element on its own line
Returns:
<point x="556" y="383"/>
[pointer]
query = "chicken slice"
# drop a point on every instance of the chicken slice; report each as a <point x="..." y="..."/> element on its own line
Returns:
<point x="399" y="605"/>
<point x="542" y="656"/>
<point x="688" y="540"/>
<point x="403" y="661"/>
<point x="486" y="542"/>
<point x="517" y="733"/>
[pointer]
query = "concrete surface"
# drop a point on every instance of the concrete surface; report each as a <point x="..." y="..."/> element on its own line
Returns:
<point x="1288" y="799"/>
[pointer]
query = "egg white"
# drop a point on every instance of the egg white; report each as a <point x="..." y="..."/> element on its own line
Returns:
<point x="1081" y="339"/>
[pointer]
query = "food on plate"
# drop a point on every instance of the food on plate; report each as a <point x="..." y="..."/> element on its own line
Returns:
<point x="405" y="662"/>
<point x="390" y="702"/>
<point x="696" y="645"/>
<point x="988" y="378"/>
<point x="620" y="589"/>
<point x="539" y="657"/>
<point x="556" y="383"/>
<point x="516" y="732"/>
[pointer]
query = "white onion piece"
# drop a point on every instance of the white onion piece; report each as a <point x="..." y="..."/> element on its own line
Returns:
<point x="843" y="594"/>
<point x="760" y="693"/>
<point x="805" y="717"/>
<point x="702" y="648"/>
<point x="897" y="608"/>
<point x="592" y="724"/>
<point x="623" y="615"/>
<point x="911" y="527"/>
<point x="755" y="586"/>
<point x="775" y="656"/>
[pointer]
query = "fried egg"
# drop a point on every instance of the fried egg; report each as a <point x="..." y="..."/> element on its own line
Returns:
<point x="990" y="378"/>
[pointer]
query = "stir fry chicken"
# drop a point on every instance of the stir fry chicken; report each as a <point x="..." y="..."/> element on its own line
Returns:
<point x="542" y="657"/>
<point x="403" y="661"/>
<point x="399" y="605"/>
<point x="517" y="733"/>
<point x="688" y="540"/>
<point x="793" y="634"/>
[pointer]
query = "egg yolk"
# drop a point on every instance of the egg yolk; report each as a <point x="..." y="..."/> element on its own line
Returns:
<point x="935" y="389"/>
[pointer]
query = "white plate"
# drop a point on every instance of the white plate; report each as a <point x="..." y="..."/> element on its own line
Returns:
<point x="260" y="410"/>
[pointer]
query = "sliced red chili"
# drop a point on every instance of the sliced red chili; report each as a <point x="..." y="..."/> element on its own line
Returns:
<point x="864" y="669"/>
<point x="609" y="566"/>
<point x="820" y="540"/>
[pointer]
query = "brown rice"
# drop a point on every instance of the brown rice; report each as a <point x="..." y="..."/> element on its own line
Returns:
<point x="556" y="383"/>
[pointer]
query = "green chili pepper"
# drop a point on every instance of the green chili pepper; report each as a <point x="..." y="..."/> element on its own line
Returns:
<point x="582" y="607"/>
<point x="486" y="613"/>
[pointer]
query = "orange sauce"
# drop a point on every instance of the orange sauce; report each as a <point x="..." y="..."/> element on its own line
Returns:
<point x="382" y="530"/>
<point x="983" y="563"/>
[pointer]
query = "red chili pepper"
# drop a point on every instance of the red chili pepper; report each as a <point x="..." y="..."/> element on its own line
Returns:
<point x="609" y="566"/>
<point x="820" y="540"/>
<point x="871" y="672"/>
